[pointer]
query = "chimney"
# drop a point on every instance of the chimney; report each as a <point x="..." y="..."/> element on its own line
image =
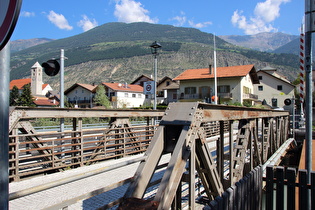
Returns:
<point x="210" y="69"/>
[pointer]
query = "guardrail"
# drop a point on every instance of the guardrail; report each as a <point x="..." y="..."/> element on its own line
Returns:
<point x="34" y="150"/>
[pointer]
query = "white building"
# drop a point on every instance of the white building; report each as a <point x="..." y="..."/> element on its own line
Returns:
<point x="234" y="84"/>
<point x="124" y="95"/>
<point x="273" y="88"/>
<point x="81" y="95"/>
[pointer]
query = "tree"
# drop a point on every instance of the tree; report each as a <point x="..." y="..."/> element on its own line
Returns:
<point x="26" y="98"/>
<point x="100" y="97"/>
<point x="14" y="96"/>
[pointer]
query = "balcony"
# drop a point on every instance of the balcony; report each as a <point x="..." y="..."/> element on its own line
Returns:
<point x="250" y="96"/>
<point x="80" y="101"/>
<point x="225" y="95"/>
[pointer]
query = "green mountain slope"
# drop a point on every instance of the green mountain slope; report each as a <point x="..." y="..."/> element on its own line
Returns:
<point x="292" y="47"/>
<point x="120" y="52"/>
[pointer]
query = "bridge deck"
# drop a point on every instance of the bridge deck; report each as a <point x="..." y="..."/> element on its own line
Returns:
<point x="68" y="195"/>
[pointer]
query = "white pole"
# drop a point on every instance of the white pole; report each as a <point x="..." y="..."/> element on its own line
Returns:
<point x="62" y="102"/>
<point x="215" y="72"/>
<point x="155" y="80"/>
<point x="62" y="64"/>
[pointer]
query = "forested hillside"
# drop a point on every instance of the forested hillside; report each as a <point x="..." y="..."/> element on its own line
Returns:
<point x="120" y="52"/>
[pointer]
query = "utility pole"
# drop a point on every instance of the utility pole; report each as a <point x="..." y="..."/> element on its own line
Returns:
<point x="309" y="28"/>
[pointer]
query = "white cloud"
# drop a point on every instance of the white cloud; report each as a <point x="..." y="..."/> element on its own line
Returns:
<point x="27" y="14"/>
<point x="199" y="25"/>
<point x="129" y="11"/>
<point x="59" y="20"/>
<point x="181" y="20"/>
<point x="87" y="24"/>
<point x="264" y="14"/>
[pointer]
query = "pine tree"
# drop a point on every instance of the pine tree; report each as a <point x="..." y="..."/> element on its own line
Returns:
<point x="14" y="96"/>
<point x="101" y="97"/>
<point x="26" y="98"/>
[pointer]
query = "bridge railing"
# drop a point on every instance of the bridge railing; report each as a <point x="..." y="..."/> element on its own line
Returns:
<point x="33" y="152"/>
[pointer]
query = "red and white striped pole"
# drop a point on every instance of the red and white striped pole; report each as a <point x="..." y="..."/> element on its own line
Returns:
<point x="302" y="63"/>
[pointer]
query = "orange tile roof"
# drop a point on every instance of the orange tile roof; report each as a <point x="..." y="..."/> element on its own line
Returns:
<point x="121" y="87"/>
<point x="43" y="101"/>
<point x="88" y="87"/>
<point x="44" y="86"/>
<point x="230" y="71"/>
<point x="19" y="83"/>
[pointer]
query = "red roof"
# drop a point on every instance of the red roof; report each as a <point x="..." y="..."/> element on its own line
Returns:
<point x="19" y="83"/>
<point x="230" y="71"/>
<point x="44" y="86"/>
<point x="42" y="101"/>
<point x="88" y="87"/>
<point x="122" y="87"/>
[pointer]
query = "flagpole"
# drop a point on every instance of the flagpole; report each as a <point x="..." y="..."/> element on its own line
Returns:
<point x="215" y="72"/>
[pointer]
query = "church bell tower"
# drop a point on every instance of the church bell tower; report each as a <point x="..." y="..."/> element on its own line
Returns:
<point x="36" y="79"/>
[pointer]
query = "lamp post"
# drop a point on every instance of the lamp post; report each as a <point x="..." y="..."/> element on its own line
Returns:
<point x="154" y="47"/>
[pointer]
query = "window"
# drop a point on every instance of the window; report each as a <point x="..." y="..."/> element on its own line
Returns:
<point x="139" y="95"/>
<point x="274" y="102"/>
<point x="260" y="77"/>
<point x="246" y="90"/>
<point x="126" y="94"/>
<point x="224" y="89"/>
<point x="133" y="95"/>
<point x="260" y="88"/>
<point x="82" y="91"/>
<point x="204" y="92"/>
<point x="279" y="87"/>
<point x="168" y="83"/>
<point x="190" y="90"/>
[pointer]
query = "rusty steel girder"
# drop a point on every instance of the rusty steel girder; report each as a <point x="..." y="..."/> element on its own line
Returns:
<point x="182" y="135"/>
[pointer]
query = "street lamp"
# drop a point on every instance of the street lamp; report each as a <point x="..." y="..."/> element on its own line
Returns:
<point x="154" y="47"/>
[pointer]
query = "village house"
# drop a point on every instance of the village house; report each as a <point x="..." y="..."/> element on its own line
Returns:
<point x="234" y="84"/>
<point x="273" y="88"/>
<point x="167" y="90"/>
<point x="123" y="95"/>
<point x="41" y="101"/>
<point x="81" y="95"/>
<point x="141" y="80"/>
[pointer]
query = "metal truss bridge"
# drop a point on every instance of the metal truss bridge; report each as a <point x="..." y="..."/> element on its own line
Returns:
<point x="244" y="138"/>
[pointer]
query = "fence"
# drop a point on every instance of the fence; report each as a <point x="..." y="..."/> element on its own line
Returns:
<point x="284" y="189"/>
<point x="33" y="152"/>
<point x="245" y="194"/>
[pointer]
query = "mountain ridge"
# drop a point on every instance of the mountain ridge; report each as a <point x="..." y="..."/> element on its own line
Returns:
<point x="267" y="42"/>
<point x="94" y="55"/>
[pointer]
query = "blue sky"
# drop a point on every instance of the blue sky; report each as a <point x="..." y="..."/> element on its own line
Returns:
<point x="64" y="18"/>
